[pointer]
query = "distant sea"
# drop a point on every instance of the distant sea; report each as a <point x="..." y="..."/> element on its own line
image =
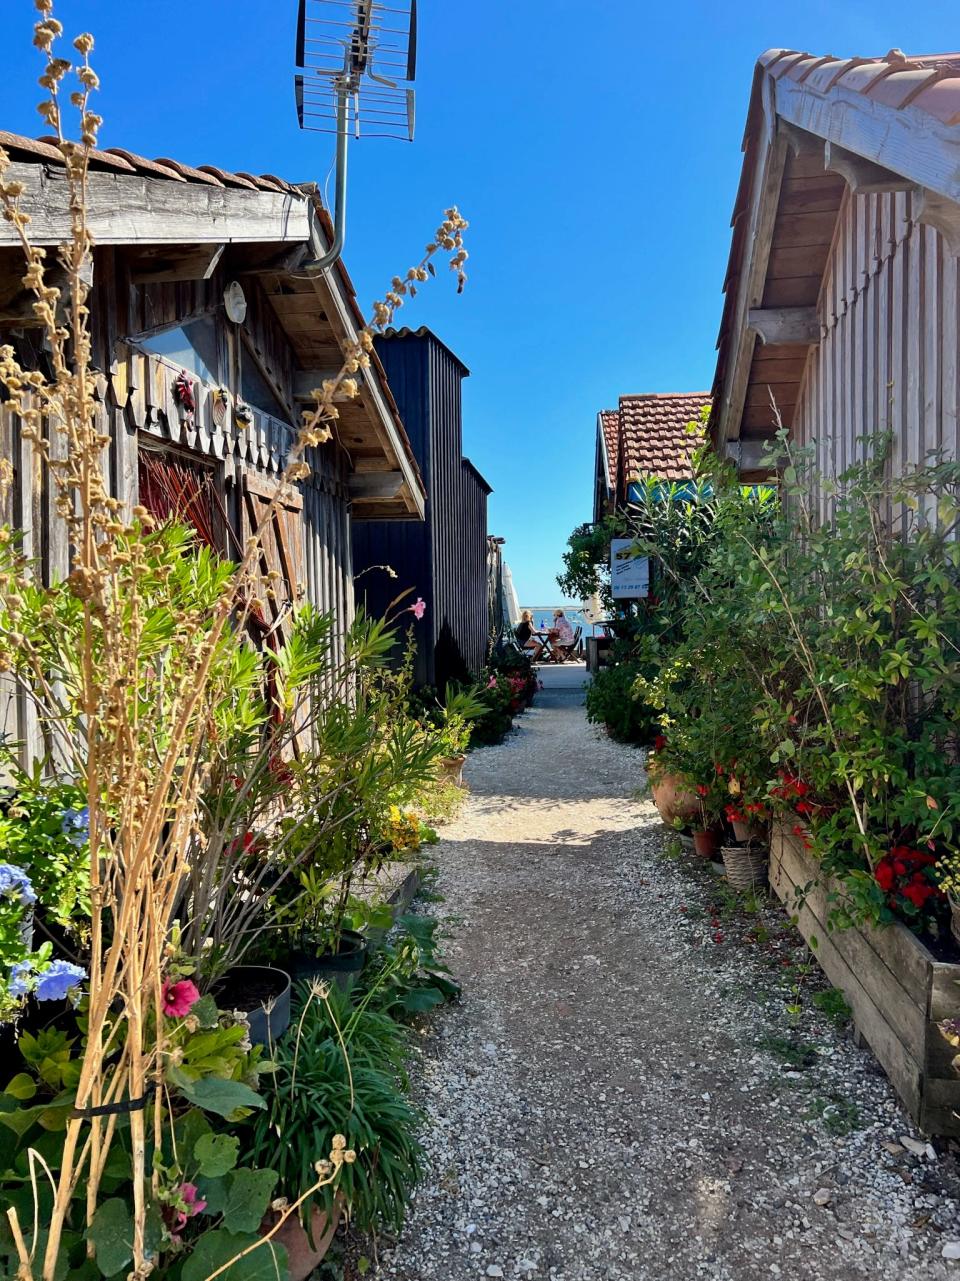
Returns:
<point x="543" y="617"/>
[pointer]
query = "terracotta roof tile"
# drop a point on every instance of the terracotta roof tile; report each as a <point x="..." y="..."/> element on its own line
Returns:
<point x="119" y="159"/>
<point x="654" y="440"/>
<point x="930" y="81"/>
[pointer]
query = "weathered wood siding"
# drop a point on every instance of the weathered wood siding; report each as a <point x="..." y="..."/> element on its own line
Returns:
<point x="898" y="992"/>
<point x="136" y="394"/>
<point x="889" y="355"/>
<point x="444" y="558"/>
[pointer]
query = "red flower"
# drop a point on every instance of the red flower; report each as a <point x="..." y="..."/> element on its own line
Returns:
<point x="179" y="998"/>
<point x="702" y="790"/>
<point x="804" y="807"/>
<point x="718" y="767"/>
<point x="659" y="743"/>
<point x="884" y="875"/>
<point x="917" y="894"/>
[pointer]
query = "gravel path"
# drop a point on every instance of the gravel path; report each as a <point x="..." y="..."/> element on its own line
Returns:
<point x="622" y="1092"/>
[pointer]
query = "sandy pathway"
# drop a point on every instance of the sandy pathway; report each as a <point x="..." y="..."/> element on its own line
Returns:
<point x="621" y="1093"/>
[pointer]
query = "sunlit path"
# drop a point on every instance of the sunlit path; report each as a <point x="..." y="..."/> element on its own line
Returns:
<point x="605" y="1105"/>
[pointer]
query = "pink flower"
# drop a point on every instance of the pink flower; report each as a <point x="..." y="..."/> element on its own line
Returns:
<point x="418" y="608"/>
<point x="178" y="1000"/>
<point x="192" y="1205"/>
<point x="491" y="683"/>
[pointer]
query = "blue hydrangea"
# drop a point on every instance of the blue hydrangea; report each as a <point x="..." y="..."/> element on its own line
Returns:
<point x="14" y="883"/>
<point x="20" y="980"/>
<point x="58" y="980"/>
<point x="76" y="826"/>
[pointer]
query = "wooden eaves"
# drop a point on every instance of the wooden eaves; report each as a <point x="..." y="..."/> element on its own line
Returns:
<point x="176" y="222"/>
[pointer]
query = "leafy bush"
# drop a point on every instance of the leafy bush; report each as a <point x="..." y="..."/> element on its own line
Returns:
<point x="341" y="1071"/>
<point x="611" y="702"/>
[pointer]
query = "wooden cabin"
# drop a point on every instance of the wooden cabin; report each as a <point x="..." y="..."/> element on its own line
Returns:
<point x="842" y="297"/>
<point x="644" y="436"/>
<point x="209" y="334"/>
<point x="444" y="559"/>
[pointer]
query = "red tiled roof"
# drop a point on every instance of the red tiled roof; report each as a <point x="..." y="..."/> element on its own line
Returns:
<point x="928" y="82"/>
<point x="610" y="422"/>
<point x="654" y="440"/>
<point x="118" y="160"/>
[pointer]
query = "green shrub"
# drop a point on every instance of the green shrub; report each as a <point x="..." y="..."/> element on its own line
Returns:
<point x="611" y="702"/>
<point x="340" y="1070"/>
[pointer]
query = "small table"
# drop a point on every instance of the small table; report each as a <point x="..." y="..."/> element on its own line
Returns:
<point x="546" y="649"/>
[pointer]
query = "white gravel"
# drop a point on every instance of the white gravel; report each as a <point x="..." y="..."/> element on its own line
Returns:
<point x="613" y="1098"/>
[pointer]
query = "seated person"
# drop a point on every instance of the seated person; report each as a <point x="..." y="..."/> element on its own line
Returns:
<point x="528" y="639"/>
<point x="561" y="633"/>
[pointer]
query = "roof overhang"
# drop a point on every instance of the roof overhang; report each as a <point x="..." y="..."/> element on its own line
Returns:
<point x="173" y="222"/>
<point x="813" y="134"/>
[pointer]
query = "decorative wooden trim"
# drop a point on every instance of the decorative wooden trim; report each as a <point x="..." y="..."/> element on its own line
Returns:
<point x="254" y="484"/>
<point x="799" y="326"/>
<point x="934" y="210"/>
<point x="862" y="176"/>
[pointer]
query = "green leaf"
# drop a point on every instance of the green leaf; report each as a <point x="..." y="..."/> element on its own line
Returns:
<point x="214" y="1094"/>
<point x="22" y="1086"/>
<point x="112" y="1235"/>
<point x="268" y="1262"/>
<point x="247" y="1199"/>
<point x="216" y="1154"/>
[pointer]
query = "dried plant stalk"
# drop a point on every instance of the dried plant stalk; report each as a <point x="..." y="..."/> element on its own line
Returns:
<point x="143" y="798"/>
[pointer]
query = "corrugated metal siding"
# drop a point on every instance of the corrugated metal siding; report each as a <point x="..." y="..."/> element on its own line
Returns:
<point x="443" y="558"/>
<point x="888" y="361"/>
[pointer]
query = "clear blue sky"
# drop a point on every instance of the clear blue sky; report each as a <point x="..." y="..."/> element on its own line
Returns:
<point x="595" y="148"/>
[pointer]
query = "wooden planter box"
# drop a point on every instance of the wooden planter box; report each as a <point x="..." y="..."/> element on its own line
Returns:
<point x="896" y="989"/>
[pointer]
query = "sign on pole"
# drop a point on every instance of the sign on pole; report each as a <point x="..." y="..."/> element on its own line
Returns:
<point x="629" y="573"/>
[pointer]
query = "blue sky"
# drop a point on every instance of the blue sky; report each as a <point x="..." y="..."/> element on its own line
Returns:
<point x="595" y="148"/>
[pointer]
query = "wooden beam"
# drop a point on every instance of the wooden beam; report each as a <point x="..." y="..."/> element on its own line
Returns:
<point x="752" y="455"/>
<point x="800" y="141"/>
<point x="764" y="200"/>
<point x="307" y="381"/>
<point x="375" y="486"/>
<point x="863" y="177"/>
<point x="943" y="215"/>
<point x="279" y="264"/>
<point x="785" y="325"/>
<point x="908" y="142"/>
<point x="132" y="210"/>
<point x="196" y="262"/>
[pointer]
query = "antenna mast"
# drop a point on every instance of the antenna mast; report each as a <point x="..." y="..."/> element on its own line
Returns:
<point x="357" y="61"/>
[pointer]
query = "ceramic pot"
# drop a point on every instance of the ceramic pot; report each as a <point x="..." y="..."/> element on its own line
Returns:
<point x="705" y="842"/>
<point x="340" y="968"/>
<point x="263" y="994"/>
<point x="673" y="796"/>
<point x="304" y="1252"/>
<point x="452" y="769"/>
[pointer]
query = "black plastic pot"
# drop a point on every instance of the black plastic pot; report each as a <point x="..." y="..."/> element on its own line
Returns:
<point x="263" y="994"/>
<point x="340" y="968"/>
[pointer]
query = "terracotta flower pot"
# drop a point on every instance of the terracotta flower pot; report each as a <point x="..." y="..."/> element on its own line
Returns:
<point x="303" y="1255"/>
<point x="672" y="796"/>
<point x="705" y="842"/>
<point x="452" y="769"/>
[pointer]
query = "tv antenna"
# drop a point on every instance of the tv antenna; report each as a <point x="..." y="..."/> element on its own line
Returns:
<point x="357" y="60"/>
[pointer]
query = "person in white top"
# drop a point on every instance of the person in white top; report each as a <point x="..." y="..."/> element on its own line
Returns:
<point x="561" y="633"/>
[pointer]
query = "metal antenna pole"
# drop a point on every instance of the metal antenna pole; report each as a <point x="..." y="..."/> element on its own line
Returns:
<point x="340" y="204"/>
